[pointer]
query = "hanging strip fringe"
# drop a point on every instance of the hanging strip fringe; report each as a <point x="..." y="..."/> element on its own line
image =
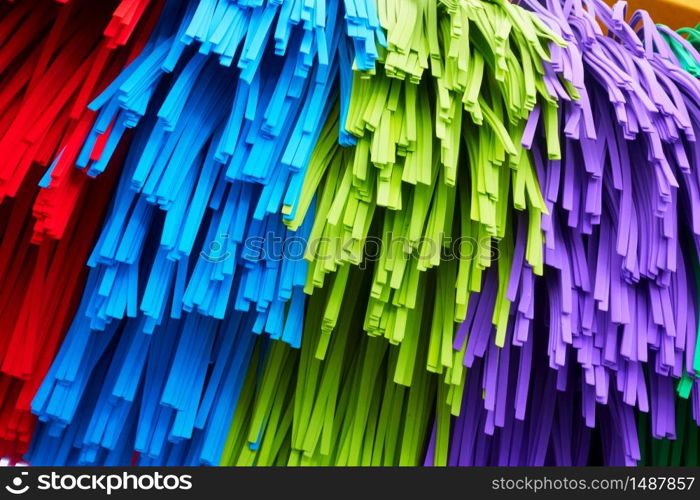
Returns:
<point x="53" y="59"/>
<point x="619" y="293"/>
<point x="498" y="210"/>
<point x="228" y="99"/>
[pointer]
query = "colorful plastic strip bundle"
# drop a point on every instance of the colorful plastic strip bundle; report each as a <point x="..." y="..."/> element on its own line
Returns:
<point x="684" y="449"/>
<point x="515" y="425"/>
<point x="620" y="253"/>
<point x="496" y="204"/>
<point x="405" y="190"/>
<point x="53" y="59"/>
<point x="684" y="46"/>
<point x="195" y="234"/>
<point x="41" y="285"/>
<point x="393" y="171"/>
<point x="339" y="408"/>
